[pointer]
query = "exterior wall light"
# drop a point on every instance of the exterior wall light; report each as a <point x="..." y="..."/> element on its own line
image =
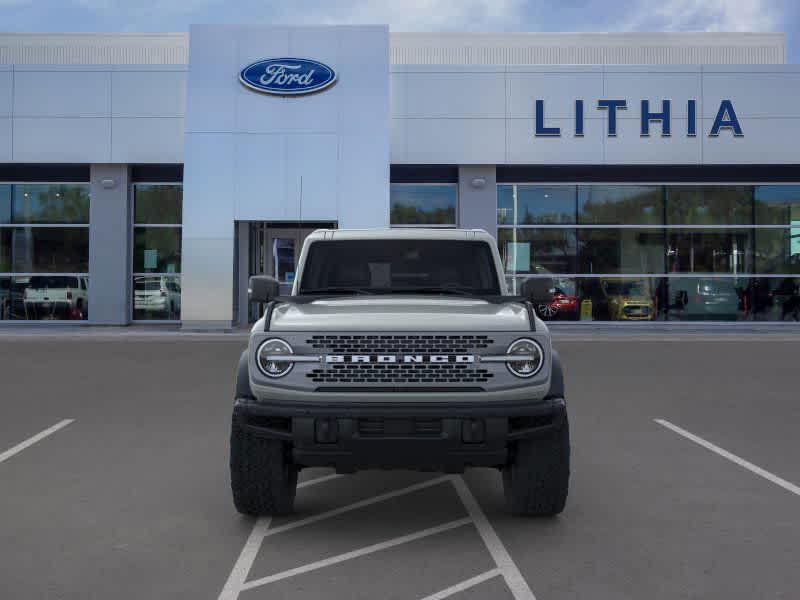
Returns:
<point x="478" y="182"/>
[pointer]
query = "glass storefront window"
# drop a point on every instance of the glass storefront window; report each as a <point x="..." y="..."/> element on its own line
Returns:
<point x="5" y="203"/>
<point x="423" y="204"/>
<point x="600" y="298"/>
<point x="719" y="252"/>
<point x="157" y="250"/>
<point x="778" y="250"/>
<point x="708" y="299"/>
<point x="156" y="297"/>
<point x="44" y="204"/>
<point x="620" y="251"/>
<point x="774" y="299"/>
<point x="622" y="298"/>
<point x="620" y="204"/>
<point x="158" y="204"/>
<point x="157" y="214"/>
<point x="709" y="205"/>
<point x="553" y="250"/>
<point x="777" y="205"/>
<point x="710" y="251"/>
<point x="536" y="204"/>
<point x="44" y="250"/>
<point x="628" y="299"/>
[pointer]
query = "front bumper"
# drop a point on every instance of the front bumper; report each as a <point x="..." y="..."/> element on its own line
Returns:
<point x="444" y="437"/>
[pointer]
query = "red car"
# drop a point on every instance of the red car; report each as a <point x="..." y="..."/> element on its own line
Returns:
<point x="564" y="305"/>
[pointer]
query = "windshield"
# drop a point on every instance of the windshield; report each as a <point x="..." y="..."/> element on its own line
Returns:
<point x="711" y="287"/>
<point x="626" y="288"/>
<point x="399" y="266"/>
<point x="56" y="281"/>
<point x="147" y="284"/>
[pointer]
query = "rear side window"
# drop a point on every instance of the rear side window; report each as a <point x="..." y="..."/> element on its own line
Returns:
<point x="54" y="281"/>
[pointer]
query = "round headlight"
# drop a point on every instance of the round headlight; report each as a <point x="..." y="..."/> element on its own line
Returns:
<point x="533" y="361"/>
<point x="268" y="365"/>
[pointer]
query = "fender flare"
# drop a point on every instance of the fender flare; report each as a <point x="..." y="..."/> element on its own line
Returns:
<point x="556" y="378"/>
<point x="243" y="378"/>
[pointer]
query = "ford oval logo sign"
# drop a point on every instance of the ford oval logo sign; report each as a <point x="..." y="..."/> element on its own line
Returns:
<point x="287" y="76"/>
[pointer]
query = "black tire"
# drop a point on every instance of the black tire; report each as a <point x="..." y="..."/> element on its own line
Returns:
<point x="536" y="482"/>
<point x="263" y="479"/>
<point x="242" y="385"/>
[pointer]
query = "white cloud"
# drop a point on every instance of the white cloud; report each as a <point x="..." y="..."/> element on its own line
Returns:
<point x="705" y="15"/>
<point x="416" y="15"/>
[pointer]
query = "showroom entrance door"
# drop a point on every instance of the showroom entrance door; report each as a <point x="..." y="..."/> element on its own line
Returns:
<point x="275" y="250"/>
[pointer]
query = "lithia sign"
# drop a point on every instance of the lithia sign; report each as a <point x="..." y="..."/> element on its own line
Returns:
<point x="726" y="119"/>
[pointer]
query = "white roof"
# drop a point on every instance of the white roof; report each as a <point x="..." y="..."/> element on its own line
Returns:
<point x="659" y="48"/>
<point x="410" y="233"/>
<point x="426" y="48"/>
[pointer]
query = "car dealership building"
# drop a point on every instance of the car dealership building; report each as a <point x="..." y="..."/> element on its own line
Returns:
<point x="144" y="177"/>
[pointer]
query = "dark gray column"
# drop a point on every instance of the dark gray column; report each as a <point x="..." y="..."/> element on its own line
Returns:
<point x="477" y="198"/>
<point x="109" y="243"/>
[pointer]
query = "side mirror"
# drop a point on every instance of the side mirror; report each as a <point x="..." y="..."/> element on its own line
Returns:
<point x="538" y="289"/>
<point x="262" y="288"/>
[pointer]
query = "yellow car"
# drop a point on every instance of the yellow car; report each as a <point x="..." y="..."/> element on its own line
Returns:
<point x="628" y="299"/>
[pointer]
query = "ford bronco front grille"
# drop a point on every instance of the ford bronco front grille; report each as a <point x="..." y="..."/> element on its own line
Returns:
<point x="417" y="372"/>
<point x="400" y="373"/>
<point x="399" y="344"/>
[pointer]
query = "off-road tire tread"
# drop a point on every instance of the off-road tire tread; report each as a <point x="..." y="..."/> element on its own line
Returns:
<point x="262" y="480"/>
<point x="536" y="483"/>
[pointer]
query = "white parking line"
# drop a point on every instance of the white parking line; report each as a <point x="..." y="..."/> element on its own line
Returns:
<point x="514" y="580"/>
<point x="245" y="561"/>
<point x="359" y="504"/>
<point x="322" y="479"/>
<point x="464" y="585"/>
<point x="236" y="580"/>
<point x="417" y="535"/>
<point x="33" y="439"/>
<point x="731" y="457"/>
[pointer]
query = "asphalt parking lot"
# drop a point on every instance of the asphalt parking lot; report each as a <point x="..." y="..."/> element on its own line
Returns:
<point x="114" y="483"/>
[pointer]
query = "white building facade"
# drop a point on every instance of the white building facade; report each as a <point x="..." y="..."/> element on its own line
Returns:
<point x="641" y="176"/>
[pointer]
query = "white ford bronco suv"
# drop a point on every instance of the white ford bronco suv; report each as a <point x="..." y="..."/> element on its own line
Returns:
<point x="401" y="349"/>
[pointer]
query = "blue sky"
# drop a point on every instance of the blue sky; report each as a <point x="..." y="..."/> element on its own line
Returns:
<point x="414" y="15"/>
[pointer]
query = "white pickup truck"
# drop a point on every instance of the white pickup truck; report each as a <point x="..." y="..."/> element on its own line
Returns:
<point x="56" y="296"/>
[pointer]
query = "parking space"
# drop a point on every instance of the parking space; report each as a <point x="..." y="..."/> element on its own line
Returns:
<point x="131" y="498"/>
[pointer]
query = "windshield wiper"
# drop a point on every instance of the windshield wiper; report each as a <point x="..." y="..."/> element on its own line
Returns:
<point x="337" y="289"/>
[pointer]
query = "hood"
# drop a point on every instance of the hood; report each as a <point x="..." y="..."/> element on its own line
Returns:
<point x="400" y="313"/>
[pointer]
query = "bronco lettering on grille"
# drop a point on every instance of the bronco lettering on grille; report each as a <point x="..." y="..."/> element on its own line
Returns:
<point x="403" y="358"/>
